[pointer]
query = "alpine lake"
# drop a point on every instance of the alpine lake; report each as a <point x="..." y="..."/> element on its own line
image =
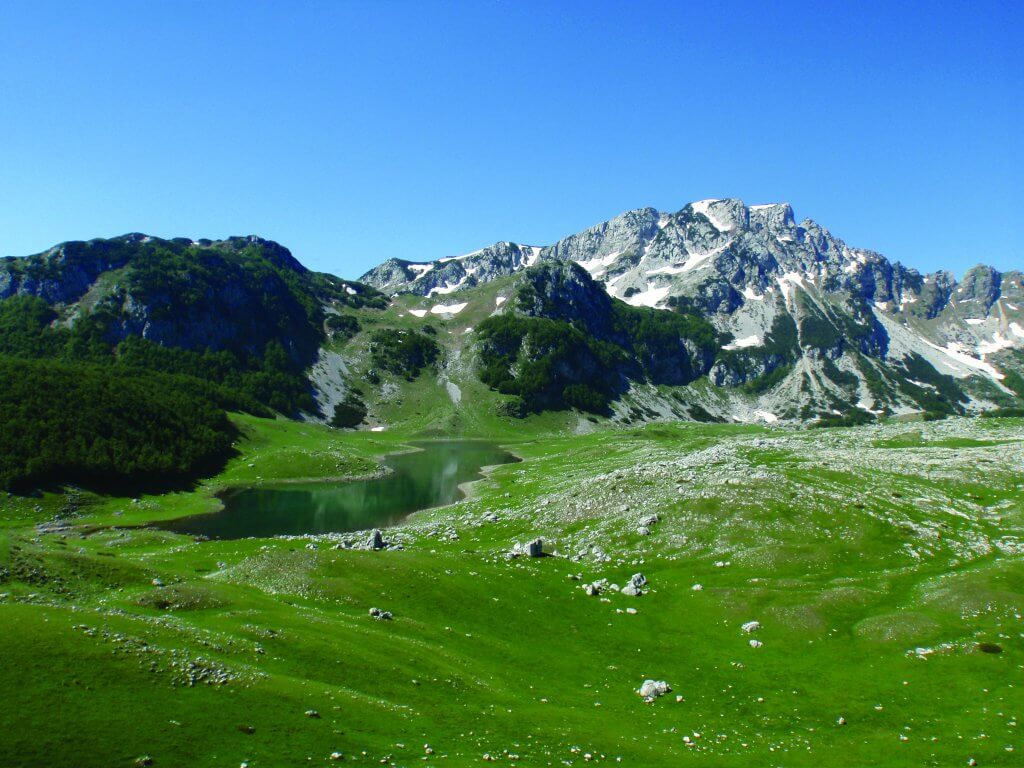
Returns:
<point x="430" y="476"/>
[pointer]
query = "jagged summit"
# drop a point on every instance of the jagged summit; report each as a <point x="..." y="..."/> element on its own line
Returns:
<point x="646" y="256"/>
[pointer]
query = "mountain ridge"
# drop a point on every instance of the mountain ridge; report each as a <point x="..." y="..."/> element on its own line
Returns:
<point x="799" y="326"/>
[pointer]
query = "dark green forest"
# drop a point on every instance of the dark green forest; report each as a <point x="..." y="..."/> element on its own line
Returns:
<point x="556" y="364"/>
<point x="103" y="427"/>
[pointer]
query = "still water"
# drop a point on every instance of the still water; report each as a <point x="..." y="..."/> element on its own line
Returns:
<point x="428" y="477"/>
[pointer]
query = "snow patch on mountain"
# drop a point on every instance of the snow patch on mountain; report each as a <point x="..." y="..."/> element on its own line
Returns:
<point x="752" y="295"/>
<point x="748" y="341"/>
<point x="448" y="309"/>
<point x="998" y="343"/>
<point x="703" y="207"/>
<point x="447" y="287"/>
<point x="598" y="266"/>
<point x="957" y="353"/>
<point x="652" y="297"/>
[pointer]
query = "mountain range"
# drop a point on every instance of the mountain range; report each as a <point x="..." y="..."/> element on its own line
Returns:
<point x="718" y="311"/>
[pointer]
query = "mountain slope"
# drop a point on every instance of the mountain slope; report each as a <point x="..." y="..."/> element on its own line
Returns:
<point x="242" y="312"/>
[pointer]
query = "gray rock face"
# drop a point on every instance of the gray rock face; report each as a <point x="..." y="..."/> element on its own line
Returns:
<point x="623" y="236"/>
<point x="981" y="284"/>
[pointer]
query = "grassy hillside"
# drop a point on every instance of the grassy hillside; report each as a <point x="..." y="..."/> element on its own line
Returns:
<point x="882" y="562"/>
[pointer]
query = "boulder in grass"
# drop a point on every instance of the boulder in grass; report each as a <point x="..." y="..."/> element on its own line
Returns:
<point x="634" y="587"/>
<point x="652" y="689"/>
<point x="535" y="548"/>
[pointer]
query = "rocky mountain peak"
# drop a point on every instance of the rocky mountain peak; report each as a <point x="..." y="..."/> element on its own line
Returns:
<point x="792" y="296"/>
<point x="775" y="217"/>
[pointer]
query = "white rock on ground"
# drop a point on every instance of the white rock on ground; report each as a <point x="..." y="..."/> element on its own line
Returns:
<point x="652" y="689"/>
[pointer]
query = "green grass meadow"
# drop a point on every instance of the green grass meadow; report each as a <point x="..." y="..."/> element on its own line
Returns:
<point x="884" y="564"/>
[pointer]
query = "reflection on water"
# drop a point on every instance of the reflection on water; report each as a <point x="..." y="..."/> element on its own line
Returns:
<point x="425" y="478"/>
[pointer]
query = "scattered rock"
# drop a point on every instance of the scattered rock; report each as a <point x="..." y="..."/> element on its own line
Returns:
<point x="381" y="615"/>
<point x="635" y="586"/>
<point x="652" y="689"/>
<point x="533" y="548"/>
<point x="697" y="587"/>
<point x="312" y="713"/>
<point x="751" y="626"/>
<point x="756" y="643"/>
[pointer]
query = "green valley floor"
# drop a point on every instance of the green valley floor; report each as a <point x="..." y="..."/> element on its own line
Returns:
<point x="883" y="566"/>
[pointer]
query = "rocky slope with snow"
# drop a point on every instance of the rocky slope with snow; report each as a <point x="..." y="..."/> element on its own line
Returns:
<point x="813" y="326"/>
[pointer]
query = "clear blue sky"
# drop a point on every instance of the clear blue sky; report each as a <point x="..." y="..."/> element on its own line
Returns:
<point x="352" y="132"/>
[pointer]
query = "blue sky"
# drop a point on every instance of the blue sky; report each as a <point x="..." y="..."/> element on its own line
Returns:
<point x="353" y="132"/>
